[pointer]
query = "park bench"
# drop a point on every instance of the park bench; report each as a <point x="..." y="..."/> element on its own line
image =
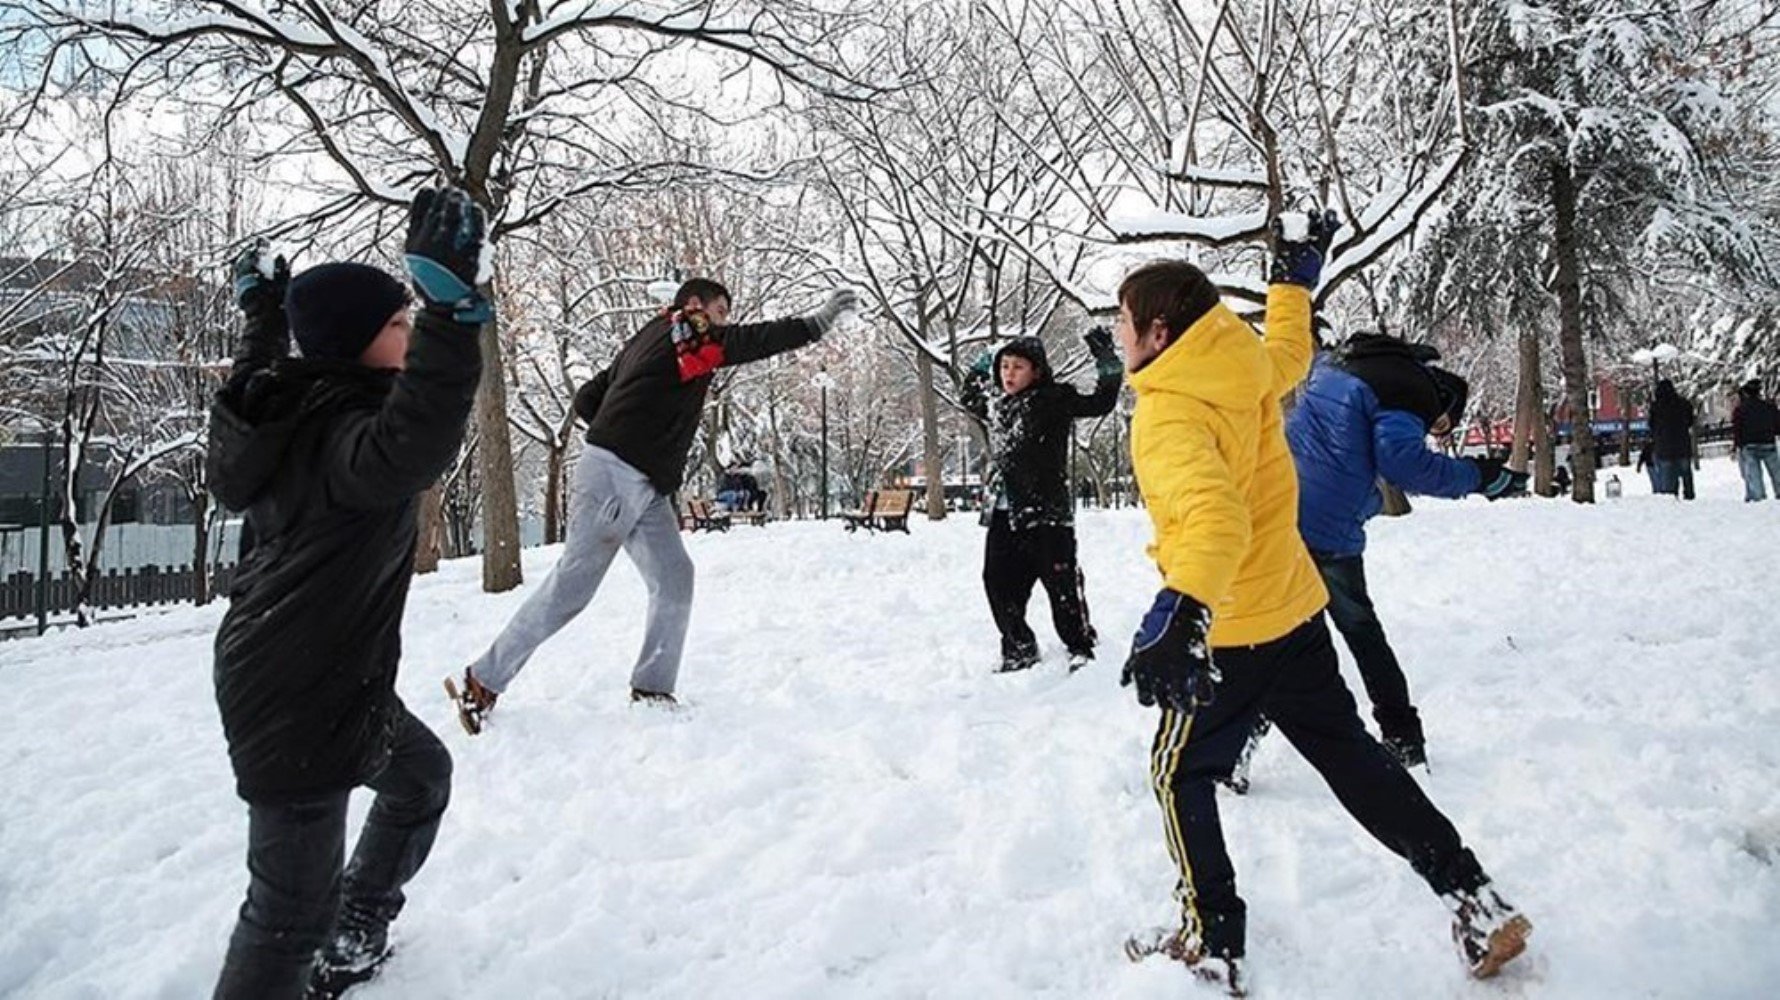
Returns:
<point x="757" y="518"/>
<point x="883" y="510"/>
<point x="703" y="515"/>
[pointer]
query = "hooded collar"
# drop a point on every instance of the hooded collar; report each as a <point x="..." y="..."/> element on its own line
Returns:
<point x="1218" y="360"/>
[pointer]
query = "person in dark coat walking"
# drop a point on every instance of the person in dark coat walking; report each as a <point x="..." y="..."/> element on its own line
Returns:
<point x="1031" y="517"/>
<point x="327" y="454"/>
<point x="1671" y="439"/>
<point x="1364" y="416"/>
<point x="642" y="412"/>
<point x="1754" y="423"/>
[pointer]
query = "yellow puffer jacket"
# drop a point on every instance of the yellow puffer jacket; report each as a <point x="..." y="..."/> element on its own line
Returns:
<point x="1210" y="452"/>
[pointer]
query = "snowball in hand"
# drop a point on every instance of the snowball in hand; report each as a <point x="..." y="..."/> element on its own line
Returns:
<point x="268" y="262"/>
<point x="1294" y="227"/>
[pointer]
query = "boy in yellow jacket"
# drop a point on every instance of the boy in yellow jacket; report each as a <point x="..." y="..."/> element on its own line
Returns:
<point x="1237" y="630"/>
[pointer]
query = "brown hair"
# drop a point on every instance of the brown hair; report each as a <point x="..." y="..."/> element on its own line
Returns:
<point x="1173" y="291"/>
<point x="703" y="289"/>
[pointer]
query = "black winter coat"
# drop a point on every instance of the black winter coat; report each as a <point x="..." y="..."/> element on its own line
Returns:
<point x="1029" y="431"/>
<point x="1671" y="424"/>
<point x="645" y="406"/>
<point x="1754" y="421"/>
<point x="327" y="459"/>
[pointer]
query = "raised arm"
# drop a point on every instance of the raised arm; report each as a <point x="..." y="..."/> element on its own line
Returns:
<point x="756" y="341"/>
<point x="1296" y="270"/>
<point x="260" y="283"/>
<point x="973" y="392"/>
<point x="1109" y="374"/>
<point x="413" y="437"/>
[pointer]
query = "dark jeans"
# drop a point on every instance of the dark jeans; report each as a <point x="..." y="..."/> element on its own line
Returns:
<point x="1015" y="560"/>
<point x="296" y="892"/>
<point x="1295" y="682"/>
<point x="1350" y="607"/>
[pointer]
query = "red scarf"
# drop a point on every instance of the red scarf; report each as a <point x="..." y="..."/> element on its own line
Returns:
<point x="697" y="349"/>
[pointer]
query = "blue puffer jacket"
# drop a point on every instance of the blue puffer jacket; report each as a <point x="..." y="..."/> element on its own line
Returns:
<point x="1343" y="440"/>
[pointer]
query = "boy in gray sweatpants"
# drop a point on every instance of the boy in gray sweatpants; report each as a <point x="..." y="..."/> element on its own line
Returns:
<point x="642" y="413"/>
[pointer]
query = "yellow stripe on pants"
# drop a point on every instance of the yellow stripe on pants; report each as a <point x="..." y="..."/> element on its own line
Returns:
<point x="1165" y="755"/>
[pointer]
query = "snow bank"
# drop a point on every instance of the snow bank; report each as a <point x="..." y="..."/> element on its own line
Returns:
<point x="853" y="806"/>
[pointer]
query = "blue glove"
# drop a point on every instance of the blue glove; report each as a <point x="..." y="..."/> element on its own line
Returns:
<point x="1170" y="658"/>
<point x="1301" y="262"/>
<point x="984" y="364"/>
<point x="255" y="292"/>
<point x="1495" y="480"/>
<point x="446" y="231"/>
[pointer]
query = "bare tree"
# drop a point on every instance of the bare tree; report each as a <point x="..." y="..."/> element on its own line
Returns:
<point x="528" y="105"/>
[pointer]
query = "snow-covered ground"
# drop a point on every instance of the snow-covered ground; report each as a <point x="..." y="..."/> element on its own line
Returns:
<point x="853" y="806"/>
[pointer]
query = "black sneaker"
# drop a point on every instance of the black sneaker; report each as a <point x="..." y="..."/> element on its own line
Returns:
<point x="1079" y="659"/>
<point x="1409" y="753"/>
<point x="1489" y="933"/>
<point x="1014" y="664"/>
<point x="659" y="699"/>
<point x="352" y="956"/>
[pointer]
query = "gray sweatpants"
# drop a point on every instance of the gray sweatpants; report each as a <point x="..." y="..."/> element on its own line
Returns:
<point x="612" y="506"/>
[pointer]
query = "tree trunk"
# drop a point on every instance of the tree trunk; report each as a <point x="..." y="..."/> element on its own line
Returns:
<point x="494" y="453"/>
<point x="1625" y="424"/>
<point x="430" y="520"/>
<point x="1570" y="334"/>
<point x="1544" y="457"/>
<point x="1529" y="404"/>
<point x="553" y="495"/>
<point x="930" y="458"/>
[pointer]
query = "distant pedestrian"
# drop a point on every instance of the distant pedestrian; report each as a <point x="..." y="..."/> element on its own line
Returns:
<point x="1671" y="439"/>
<point x="1753" y="427"/>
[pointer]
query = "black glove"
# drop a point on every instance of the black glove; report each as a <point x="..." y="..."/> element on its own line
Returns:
<point x="1170" y="658"/>
<point x="446" y="233"/>
<point x="256" y="292"/>
<point x="1301" y="262"/>
<point x="1099" y="341"/>
<point x="1495" y="480"/>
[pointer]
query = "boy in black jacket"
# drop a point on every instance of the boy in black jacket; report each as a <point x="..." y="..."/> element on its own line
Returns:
<point x="1032" y="519"/>
<point x="326" y="453"/>
<point x="642" y="412"/>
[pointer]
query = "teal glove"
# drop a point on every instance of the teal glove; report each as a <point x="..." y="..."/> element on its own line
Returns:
<point x="446" y="233"/>
<point x="256" y="291"/>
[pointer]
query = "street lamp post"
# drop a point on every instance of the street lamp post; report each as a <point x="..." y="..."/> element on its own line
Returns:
<point x="822" y="386"/>
<point x="43" y="542"/>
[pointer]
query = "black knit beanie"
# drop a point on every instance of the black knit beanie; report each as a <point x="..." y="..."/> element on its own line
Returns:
<point x="336" y="310"/>
<point x="1453" y="391"/>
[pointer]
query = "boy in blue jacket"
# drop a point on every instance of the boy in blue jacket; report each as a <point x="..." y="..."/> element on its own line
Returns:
<point x="1364" y="416"/>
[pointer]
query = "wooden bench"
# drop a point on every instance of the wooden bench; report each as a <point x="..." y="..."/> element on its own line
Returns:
<point x="883" y="510"/>
<point x="703" y="515"/>
<point x="757" y="518"/>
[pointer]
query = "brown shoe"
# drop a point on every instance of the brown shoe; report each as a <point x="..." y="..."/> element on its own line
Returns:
<point x="1489" y="933"/>
<point x="640" y="697"/>
<point x="473" y="703"/>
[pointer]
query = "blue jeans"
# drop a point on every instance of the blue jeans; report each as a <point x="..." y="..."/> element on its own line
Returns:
<point x="1752" y="459"/>
<point x="1677" y="475"/>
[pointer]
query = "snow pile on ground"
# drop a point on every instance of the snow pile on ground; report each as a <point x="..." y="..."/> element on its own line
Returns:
<point x="853" y="806"/>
